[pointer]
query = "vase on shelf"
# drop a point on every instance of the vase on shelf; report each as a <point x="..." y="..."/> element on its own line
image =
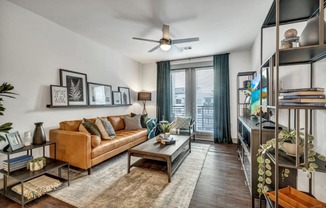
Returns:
<point x="27" y="138"/>
<point x="39" y="136"/>
<point x="310" y="34"/>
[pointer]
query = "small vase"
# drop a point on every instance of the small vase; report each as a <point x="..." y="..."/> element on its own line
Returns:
<point x="39" y="136"/>
<point x="310" y="34"/>
<point x="27" y="138"/>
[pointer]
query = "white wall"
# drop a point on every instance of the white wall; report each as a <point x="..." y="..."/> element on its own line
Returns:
<point x="149" y="74"/>
<point x="33" y="49"/>
<point x="296" y="76"/>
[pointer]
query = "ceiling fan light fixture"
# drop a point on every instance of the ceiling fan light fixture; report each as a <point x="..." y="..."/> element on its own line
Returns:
<point x="165" y="47"/>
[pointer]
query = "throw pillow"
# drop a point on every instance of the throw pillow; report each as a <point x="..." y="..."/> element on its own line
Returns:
<point x="143" y="119"/>
<point x="105" y="128"/>
<point x="89" y="127"/>
<point x="182" y="122"/>
<point x="132" y="123"/>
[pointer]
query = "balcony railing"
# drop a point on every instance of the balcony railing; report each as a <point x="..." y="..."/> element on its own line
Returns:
<point x="204" y="116"/>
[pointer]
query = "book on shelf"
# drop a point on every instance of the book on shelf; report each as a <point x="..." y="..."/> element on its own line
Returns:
<point x="303" y="93"/>
<point x="16" y="164"/>
<point x="303" y="100"/>
<point x="290" y="97"/>
<point x="303" y="104"/>
<point x="318" y="89"/>
<point x="18" y="159"/>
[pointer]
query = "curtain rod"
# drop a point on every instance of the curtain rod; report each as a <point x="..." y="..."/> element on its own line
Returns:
<point x="193" y="57"/>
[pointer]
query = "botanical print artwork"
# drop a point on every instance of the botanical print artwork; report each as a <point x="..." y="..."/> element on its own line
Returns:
<point x="76" y="91"/>
<point x="125" y="95"/>
<point x="124" y="98"/>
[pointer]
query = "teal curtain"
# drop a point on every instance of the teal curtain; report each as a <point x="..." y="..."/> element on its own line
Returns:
<point x="222" y="132"/>
<point x="163" y="100"/>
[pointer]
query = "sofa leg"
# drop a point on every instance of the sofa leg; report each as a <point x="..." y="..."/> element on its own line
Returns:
<point x="89" y="170"/>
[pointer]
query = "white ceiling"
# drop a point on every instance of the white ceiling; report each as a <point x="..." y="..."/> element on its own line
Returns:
<point x="221" y="25"/>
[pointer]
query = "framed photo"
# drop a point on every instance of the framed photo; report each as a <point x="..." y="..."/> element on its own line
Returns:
<point x="99" y="94"/>
<point x="14" y="140"/>
<point x="125" y="95"/>
<point x="76" y="86"/>
<point x="116" y="98"/>
<point x="59" y="95"/>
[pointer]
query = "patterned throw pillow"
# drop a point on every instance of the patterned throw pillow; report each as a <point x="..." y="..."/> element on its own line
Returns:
<point x="89" y="127"/>
<point x="182" y="122"/>
<point x="132" y="123"/>
<point x="143" y="119"/>
<point x="105" y="128"/>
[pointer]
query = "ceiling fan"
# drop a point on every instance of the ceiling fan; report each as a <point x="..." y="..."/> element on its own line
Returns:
<point x="165" y="43"/>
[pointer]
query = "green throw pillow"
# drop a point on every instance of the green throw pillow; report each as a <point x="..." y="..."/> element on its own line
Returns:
<point x="91" y="128"/>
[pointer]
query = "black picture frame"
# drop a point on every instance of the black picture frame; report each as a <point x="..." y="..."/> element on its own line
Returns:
<point x="59" y="95"/>
<point x="76" y="84"/>
<point x="14" y="140"/>
<point x="99" y="94"/>
<point x="116" y="98"/>
<point x="125" y="95"/>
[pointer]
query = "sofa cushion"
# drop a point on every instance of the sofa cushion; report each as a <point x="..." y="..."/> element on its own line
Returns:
<point x="123" y="137"/>
<point x="143" y="119"/>
<point x="105" y="128"/>
<point x="95" y="140"/>
<point x="89" y="127"/>
<point x="181" y="123"/>
<point x="132" y="123"/>
<point x="117" y="122"/>
<point x="70" y="125"/>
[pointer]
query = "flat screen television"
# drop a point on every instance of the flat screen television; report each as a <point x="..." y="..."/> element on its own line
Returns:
<point x="255" y="94"/>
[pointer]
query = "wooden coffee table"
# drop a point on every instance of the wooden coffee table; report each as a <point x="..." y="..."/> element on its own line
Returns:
<point x="172" y="154"/>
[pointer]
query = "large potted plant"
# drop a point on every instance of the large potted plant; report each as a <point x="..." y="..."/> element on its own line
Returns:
<point x="5" y="91"/>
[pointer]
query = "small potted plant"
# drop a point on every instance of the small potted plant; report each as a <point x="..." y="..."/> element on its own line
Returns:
<point x="36" y="164"/>
<point x="287" y="140"/>
<point x="166" y="127"/>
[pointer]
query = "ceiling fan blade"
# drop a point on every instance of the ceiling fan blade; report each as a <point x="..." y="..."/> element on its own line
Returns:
<point x="166" y="32"/>
<point x="153" y="49"/>
<point x="184" y="40"/>
<point x="155" y="41"/>
<point x="177" y="48"/>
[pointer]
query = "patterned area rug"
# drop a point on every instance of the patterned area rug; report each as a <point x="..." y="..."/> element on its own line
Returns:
<point x="109" y="185"/>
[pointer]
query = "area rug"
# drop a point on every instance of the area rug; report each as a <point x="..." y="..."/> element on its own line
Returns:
<point x="110" y="186"/>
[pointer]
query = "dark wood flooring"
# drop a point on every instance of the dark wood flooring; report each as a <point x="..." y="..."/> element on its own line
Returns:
<point x="221" y="183"/>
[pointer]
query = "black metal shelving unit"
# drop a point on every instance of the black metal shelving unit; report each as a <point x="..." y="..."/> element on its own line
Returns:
<point x="23" y="175"/>
<point x="284" y="12"/>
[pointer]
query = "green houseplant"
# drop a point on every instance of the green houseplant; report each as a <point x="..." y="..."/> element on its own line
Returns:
<point x="5" y="91"/>
<point x="264" y="167"/>
<point x="166" y="127"/>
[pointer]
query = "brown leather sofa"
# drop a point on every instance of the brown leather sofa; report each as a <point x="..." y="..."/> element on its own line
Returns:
<point x="83" y="150"/>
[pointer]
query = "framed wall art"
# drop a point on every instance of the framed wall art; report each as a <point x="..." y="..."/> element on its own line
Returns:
<point x="76" y="86"/>
<point x="125" y="95"/>
<point x="14" y="141"/>
<point x="99" y="94"/>
<point x="59" y="95"/>
<point x="116" y="98"/>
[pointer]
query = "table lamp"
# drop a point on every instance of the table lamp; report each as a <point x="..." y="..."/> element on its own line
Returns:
<point x="144" y="96"/>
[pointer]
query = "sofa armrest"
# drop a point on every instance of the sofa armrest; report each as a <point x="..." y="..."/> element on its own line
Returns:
<point x="72" y="147"/>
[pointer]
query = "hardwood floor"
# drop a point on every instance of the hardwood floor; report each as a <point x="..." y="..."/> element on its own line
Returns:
<point x="221" y="183"/>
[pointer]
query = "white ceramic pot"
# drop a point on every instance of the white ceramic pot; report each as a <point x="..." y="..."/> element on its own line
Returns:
<point x="290" y="149"/>
<point x="34" y="166"/>
<point x="166" y="135"/>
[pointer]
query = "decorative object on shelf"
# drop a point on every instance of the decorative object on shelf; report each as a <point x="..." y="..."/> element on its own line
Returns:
<point x="310" y="34"/>
<point x="14" y="141"/>
<point x="116" y="98"/>
<point x="76" y="86"/>
<point x="288" y="197"/>
<point x="27" y="138"/>
<point x="144" y="96"/>
<point x="99" y="94"/>
<point x="59" y="95"/>
<point x="39" y="136"/>
<point x="287" y="140"/>
<point x="37" y="187"/>
<point x="291" y="39"/>
<point x="5" y="91"/>
<point x="165" y="127"/>
<point x="125" y="95"/>
<point x="36" y="164"/>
